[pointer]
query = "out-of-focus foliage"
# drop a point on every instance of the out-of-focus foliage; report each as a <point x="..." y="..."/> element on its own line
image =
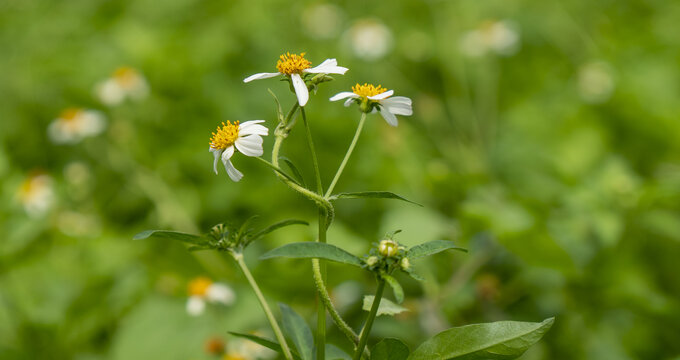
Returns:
<point x="545" y="139"/>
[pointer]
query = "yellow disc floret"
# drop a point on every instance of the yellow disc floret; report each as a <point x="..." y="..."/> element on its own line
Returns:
<point x="368" y="89"/>
<point x="199" y="286"/>
<point x="126" y="77"/>
<point x="292" y="63"/>
<point x="226" y="135"/>
<point x="70" y="114"/>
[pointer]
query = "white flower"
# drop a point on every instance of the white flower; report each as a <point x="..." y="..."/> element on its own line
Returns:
<point x="369" y="39"/>
<point x="372" y="98"/>
<point x="295" y="66"/>
<point x="322" y="21"/>
<point x="595" y="82"/>
<point x="202" y="290"/>
<point x="491" y="36"/>
<point x="124" y="83"/>
<point x="36" y="194"/>
<point x="73" y="125"/>
<point x="246" y="138"/>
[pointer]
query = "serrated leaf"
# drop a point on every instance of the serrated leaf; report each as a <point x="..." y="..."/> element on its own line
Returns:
<point x="172" y="235"/>
<point x="371" y="195"/>
<point x="499" y="340"/>
<point x="431" y="248"/>
<point x="264" y="342"/>
<point x="396" y="288"/>
<point x="386" y="306"/>
<point x="306" y="250"/>
<point x="414" y="275"/>
<point x="296" y="173"/>
<point x="295" y="327"/>
<point x="390" y="349"/>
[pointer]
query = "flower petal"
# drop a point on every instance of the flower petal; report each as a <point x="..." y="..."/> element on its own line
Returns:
<point x="343" y="95"/>
<point x="234" y="174"/>
<point x="221" y="293"/>
<point x="349" y="102"/>
<point x="329" y="66"/>
<point x="389" y="117"/>
<point x="300" y="89"/>
<point x="260" y="76"/>
<point x="250" y="145"/>
<point x="195" y="305"/>
<point x="227" y="153"/>
<point x="398" y="106"/>
<point x="218" y="154"/>
<point x="381" y="96"/>
<point x="252" y="128"/>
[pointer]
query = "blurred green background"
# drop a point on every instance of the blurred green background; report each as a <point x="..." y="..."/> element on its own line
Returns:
<point x="545" y="138"/>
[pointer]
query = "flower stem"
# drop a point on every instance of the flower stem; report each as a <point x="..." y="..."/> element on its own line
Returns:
<point x="310" y="143"/>
<point x="369" y="321"/>
<point x="347" y="155"/>
<point x="270" y="316"/>
<point x="325" y="298"/>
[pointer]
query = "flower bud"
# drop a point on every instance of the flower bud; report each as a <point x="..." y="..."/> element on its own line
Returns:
<point x="214" y="346"/>
<point x="388" y="248"/>
<point x="372" y="260"/>
<point x="405" y="264"/>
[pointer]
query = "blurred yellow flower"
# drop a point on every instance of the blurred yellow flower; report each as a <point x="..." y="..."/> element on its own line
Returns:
<point x="36" y="194"/>
<point x="125" y="82"/>
<point x="75" y="124"/>
<point x="499" y="37"/>
<point x="202" y="289"/>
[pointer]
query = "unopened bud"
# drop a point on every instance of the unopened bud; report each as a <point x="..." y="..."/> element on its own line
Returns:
<point x="388" y="248"/>
<point x="372" y="260"/>
<point x="405" y="264"/>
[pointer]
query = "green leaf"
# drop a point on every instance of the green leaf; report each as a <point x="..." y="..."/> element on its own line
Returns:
<point x="264" y="342"/>
<point x="390" y="349"/>
<point x="279" y="111"/>
<point x="318" y="250"/>
<point x="386" y="307"/>
<point x="296" y="173"/>
<point x="373" y="195"/>
<point x="431" y="248"/>
<point x="396" y="288"/>
<point x="335" y="353"/>
<point x="277" y="226"/>
<point x="295" y="327"/>
<point x="498" y="340"/>
<point x="172" y="235"/>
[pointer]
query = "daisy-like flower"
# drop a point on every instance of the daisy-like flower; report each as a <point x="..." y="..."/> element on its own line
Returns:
<point x="295" y="66"/>
<point x="36" y="194"/>
<point x="246" y="137"/>
<point x="124" y="83"/>
<point x="376" y="98"/>
<point x="500" y="37"/>
<point x="202" y="290"/>
<point x="75" y="124"/>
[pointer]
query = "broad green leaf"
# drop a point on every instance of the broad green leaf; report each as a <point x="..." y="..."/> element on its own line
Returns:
<point x="498" y="340"/>
<point x="431" y="248"/>
<point x="390" y="349"/>
<point x="335" y="353"/>
<point x="264" y="342"/>
<point x="372" y="195"/>
<point x="295" y="327"/>
<point x="172" y="235"/>
<point x="277" y="226"/>
<point x="296" y="173"/>
<point x="303" y="250"/>
<point x="396" y="288"/>
<point x="386" y="307"/>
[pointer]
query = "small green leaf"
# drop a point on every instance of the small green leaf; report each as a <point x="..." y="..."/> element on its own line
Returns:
<point x="396" y="288"/>
<point x="414" y="275"/>
<point x="302" y="250"/>
<point x="279" y="111"/>
<point x="172" y="235"/>
<point x="431" y="248"/>
<point x="277" y="226"/>
<point x="499" y="340"/>
<point x="386" y="307"/>
<point x="390" y="349"/>
<point x="335" y="353"/>
<point x="295" y="327"/>
<point x="264" y="342"/>
<point x="371" y="194"/>
<point x="296" y="173"/>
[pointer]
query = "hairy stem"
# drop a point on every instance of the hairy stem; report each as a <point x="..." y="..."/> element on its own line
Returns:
<point x="270" y="316"/>
<point x="329" y="192"/>
<point x="325" y="298"/>
<point x="369" y="321"/>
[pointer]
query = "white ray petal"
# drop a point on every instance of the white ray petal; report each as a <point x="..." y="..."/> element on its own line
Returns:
<point x="260" y="76"/>
<point x="250" y="145"/>
<point x="234" y="174"/>
<point x="349" y="102"/>
<point x="389" y="117"/>
<point x="227" y="153"/>
<point x="253" y="127"/>
<point x="329" y="66"/>
<point x="343" y="95"/>
<point x="381" y="96"/>
<point x="218" y="154"/>
<point x="300" y="89"/>
<point x="221" y="293"/>
<point x="195" y="305"/>
<point x="396" y="107"/>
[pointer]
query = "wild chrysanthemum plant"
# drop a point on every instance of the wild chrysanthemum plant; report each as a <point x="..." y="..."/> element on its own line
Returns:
<point x="387" y="257"/>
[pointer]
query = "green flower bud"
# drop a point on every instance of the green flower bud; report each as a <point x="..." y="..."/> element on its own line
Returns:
<point x="388" y="248"/>
<point x="405" y="264"/>
<point x="372" y="260"/>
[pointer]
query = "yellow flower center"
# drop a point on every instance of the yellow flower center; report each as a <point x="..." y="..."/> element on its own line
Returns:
<point x="199" y="286"/>
<point x="233" y="357"/>
<point x="226" y="135"/>
<point x="70" y="114"/>
<point x="125" y="76"/>
<point x="292" y="63"/>
<point x="368" y="89"/>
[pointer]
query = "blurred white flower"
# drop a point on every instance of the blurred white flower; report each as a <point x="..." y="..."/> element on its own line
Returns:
<point x="322" y="21"/>
<point x="369" y="39"/>
<point x="240" y="349"/>
<point x="124" y="83"/>
<point x="416" y="45"/>
<point x="372" y="98"/>
<point x="36" y="194"/>
<point x="202" y="290"/>
<point x="595" y="82"/>
<point x="246" y="137"/>
<point x="295" y="67"/>
<point x="75" y="124"/>
<point x="77" y="224"/>
<point x="499" y="37"/>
